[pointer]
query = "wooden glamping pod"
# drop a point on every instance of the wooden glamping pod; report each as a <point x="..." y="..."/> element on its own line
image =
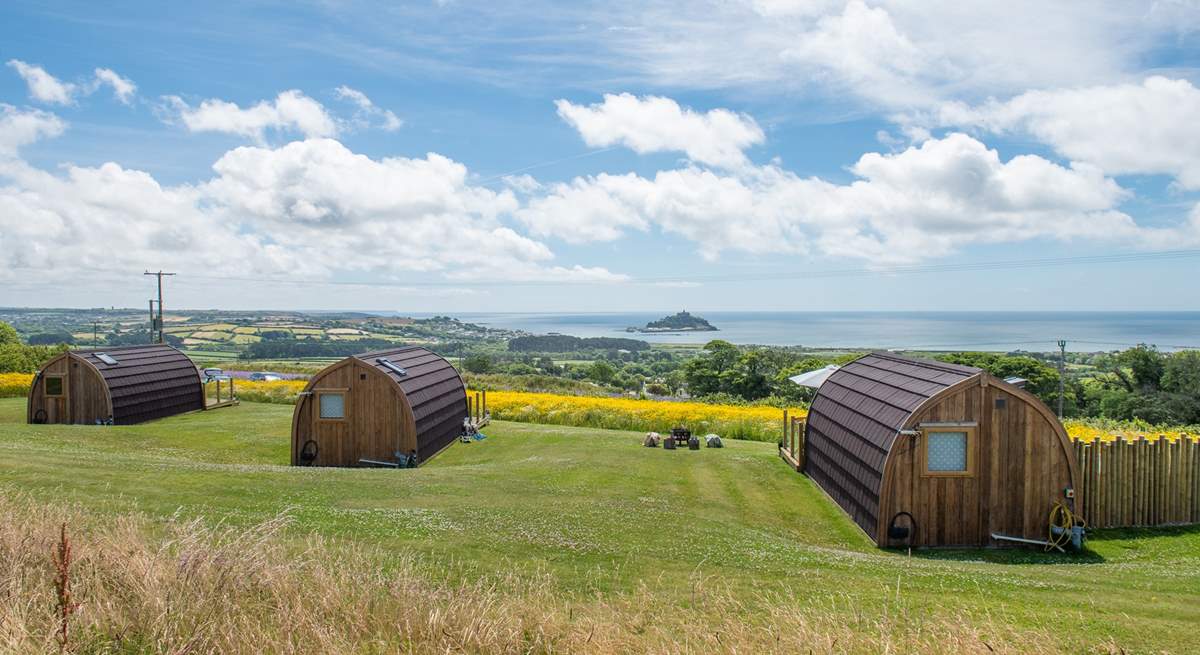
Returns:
<point x="964" y="453"/>
<point x="396" y="407"/>
<point x="121" y="385"/>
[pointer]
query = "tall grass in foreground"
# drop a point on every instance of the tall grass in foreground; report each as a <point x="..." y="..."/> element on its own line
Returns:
<point x="193" y="588"/>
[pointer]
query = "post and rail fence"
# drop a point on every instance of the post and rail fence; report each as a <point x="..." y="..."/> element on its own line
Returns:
<point x="791" y="446"/>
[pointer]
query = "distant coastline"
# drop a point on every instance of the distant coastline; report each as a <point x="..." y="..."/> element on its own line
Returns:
<point x="1034" y="331"/>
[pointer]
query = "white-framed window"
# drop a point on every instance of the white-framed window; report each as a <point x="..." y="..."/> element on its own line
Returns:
<point x="331" y="405"/>
<point x="55" y="386"/>
<point x="949" y="450"/>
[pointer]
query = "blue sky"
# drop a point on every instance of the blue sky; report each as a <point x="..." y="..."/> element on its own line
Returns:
<point x="452" y="156"/>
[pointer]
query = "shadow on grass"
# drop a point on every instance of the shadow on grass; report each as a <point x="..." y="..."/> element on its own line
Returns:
<point x="1105" y="539"/>
<point x="1121" y="534"/>
<point x="1033" y="554"/>
<point x="1024" y="555"/>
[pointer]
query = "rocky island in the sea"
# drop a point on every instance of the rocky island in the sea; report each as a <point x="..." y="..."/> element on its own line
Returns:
<point x="681" y="322"/>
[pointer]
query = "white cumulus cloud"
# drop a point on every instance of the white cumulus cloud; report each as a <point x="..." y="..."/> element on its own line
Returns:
<point x="123" y="88"/>
<point x="656" y="124"/>
<point x="924" y="202"/>
<point x="43" y="86"/>
<point x="310" y="208"/>
<point x="290" y="111"/>
<point x="368" y="112"/>
<point x="22" y="127"/>
<point x="1150" y="127"/>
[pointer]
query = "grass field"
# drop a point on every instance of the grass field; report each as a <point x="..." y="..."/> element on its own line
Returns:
<point x="729" y="534"/>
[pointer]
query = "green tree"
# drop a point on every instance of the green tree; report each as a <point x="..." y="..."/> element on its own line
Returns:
<point x="19" y="358"/>
<point x="1042" y="377"/>
<point x="546" y="365"/>
<point x="709" y="372"/>
<point x="1146" y="366"/>
<point x="748" y="379"/>
<point x="477" y="363"/>
<point x="51" y="338"/>
<point x="8" y="335"/>
<point x="1181" y="373"/>
<point x="602" y="372"/>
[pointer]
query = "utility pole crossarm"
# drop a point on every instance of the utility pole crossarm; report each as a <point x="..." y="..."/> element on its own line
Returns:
<point x="1062" y="373"/>
<point x="159" y="275"/>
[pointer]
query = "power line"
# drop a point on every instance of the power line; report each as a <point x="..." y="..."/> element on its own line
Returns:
<point x="1020" y="341"/>
<point x="1134" y="345"/>
<point x="1000" y="342"/>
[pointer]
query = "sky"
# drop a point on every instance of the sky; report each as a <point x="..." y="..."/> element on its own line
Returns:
<point x="610" y="156"/>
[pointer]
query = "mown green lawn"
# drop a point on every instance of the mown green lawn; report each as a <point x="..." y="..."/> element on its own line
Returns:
<point x="600" y="514"/>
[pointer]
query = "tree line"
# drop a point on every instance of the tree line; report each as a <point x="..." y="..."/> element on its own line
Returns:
<point x="561" y="343"/>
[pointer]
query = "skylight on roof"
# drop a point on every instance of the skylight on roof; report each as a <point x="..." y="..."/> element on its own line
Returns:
<point x="392" y="366"/>
<point x="107" y="359"/>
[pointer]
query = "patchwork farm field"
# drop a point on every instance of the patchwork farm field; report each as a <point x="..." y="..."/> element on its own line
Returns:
<point x="215" y="334"/>
<point x="541" y="538"/>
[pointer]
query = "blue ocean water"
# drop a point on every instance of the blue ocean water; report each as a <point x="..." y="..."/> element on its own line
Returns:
<point x="994" y="331"/>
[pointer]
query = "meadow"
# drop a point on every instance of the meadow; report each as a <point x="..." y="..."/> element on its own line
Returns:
<point x="755" y="423"/>
<point x="192" y="535"/>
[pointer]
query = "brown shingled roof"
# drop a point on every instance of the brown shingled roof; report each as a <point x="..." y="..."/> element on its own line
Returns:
<point x="147" y="382"/>
<point x="434" y="389"/>
<point x="855" y="419"/>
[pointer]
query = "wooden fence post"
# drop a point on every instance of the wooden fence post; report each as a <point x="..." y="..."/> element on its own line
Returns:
<point x="1139" y="481"/>
<point x="801" y="427"/>
<point x="1089" y="494"/>
<point x="1160" y="473"/>
<point x="1081" y="492"/>
<point x="1177" y="481"/>
<point x="1195" y="446"/>
<point x="1109" y="471"/>
<point x="1132" y="482"/>
<point x="1114" y="482"/>
<point x="1126" y="489"/>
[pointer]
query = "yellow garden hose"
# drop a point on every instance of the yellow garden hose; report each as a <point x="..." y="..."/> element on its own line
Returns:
<point x="1062" y="518"/>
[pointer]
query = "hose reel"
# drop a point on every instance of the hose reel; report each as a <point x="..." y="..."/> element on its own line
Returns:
<point x="308" y="453"/>
<point x="904" y="532"/>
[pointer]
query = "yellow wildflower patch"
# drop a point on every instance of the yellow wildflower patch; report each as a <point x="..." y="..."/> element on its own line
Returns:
<point x="1087" y="432"/>
<point x="282" y="392"/>
<point x="15" y="384"/>
<point x="731" y="421"/>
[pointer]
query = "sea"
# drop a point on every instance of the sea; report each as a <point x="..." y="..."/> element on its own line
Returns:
<point x="986" y="331"/>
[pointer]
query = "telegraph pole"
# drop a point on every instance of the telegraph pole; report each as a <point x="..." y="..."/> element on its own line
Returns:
<point x="1062" y="372"/>
<point x="159" y="275"/>
<point x="95" y="333"/>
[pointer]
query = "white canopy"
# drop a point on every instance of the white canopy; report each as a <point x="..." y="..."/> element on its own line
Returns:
<point x="815" y="378"/>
